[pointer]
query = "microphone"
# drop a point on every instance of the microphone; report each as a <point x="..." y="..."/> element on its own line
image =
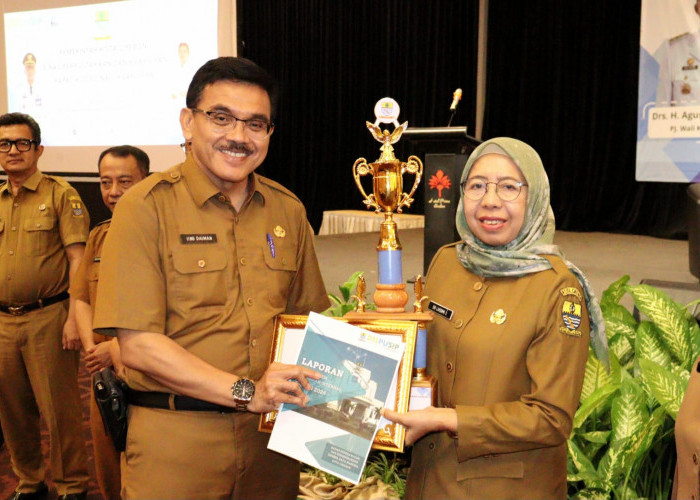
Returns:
<point x="456" y="97"/>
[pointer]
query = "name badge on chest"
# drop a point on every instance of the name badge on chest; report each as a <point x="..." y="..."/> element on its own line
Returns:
<point x="443" y="311"/>
<point x="193" y="239"/>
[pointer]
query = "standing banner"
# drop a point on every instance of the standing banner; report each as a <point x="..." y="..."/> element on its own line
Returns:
<point x="668" y="119"/>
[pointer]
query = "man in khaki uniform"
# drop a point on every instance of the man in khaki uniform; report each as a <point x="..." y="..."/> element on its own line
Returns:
<point x="43" y="228"/>
<point x="120" y="167"/>
<point x="197" y="263"/>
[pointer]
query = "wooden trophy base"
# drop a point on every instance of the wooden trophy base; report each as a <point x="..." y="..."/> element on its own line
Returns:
<point x="390" y="298"/>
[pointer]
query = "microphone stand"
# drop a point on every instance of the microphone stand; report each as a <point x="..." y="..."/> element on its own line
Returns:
<point x="452" y="115"/>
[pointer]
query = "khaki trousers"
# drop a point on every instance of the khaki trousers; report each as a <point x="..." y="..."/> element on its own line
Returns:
<point x="38" y="377"/>
<point x="181" y="454"/>
<point x="107" y="466"/>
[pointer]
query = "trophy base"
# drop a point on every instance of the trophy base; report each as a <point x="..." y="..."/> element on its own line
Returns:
<point x="390" y="298"/>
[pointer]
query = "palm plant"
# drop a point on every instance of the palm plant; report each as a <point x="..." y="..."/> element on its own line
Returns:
<point x="622" y="444"/>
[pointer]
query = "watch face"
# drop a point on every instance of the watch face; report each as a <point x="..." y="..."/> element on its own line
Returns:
<point x="243" y="389"/>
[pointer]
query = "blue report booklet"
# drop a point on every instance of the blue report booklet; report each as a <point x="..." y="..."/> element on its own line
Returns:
<point x="335" y="431"/>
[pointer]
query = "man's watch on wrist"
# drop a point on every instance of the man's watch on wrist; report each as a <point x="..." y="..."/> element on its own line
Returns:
<point x="242" y="391"/>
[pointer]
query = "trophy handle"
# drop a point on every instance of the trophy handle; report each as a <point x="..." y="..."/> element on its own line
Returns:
<point x="360" y="168"/>
<point x="412" y="166"/>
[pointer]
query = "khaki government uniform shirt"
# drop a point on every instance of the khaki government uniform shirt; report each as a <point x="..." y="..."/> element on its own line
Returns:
<point x="179" y="260"/>
<point x="511" y="360"/>
<point x="84" y="285"/>
<point x="35" y="226"/>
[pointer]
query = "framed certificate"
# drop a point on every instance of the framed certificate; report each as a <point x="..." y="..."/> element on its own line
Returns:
<point x="288" y="336"/>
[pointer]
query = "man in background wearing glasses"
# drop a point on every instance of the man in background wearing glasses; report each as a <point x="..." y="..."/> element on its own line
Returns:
<point x="43" y="229"/>
<point x="198" y="262"/>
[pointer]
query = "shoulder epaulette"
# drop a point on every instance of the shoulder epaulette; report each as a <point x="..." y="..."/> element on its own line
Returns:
<point x="170" y="176"/>
<point x="677" y="37"/>
<point x="558" y="264"/>
<point x="58" y="180"/>
<point x="106" y="221"/>
<point x="276" y="186"/>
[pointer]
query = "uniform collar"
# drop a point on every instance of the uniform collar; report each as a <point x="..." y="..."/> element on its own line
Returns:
<point x="32" y="183"/>
<point x="202" y="188"/>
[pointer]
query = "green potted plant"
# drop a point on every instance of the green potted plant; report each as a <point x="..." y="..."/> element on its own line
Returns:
<point x="622" y="445"/>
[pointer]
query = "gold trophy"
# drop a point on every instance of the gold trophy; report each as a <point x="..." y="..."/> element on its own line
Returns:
<point x="388" y="197"/>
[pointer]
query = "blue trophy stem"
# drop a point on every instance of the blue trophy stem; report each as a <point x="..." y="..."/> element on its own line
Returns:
<point x="390" y="268"/>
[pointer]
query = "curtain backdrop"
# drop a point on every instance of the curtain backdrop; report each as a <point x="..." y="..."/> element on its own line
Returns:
<point x="335" y="60"/>
<point x="562" y="76"/>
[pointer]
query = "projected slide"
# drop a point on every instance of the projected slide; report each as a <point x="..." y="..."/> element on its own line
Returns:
<point x="110" y="73"/>
<point x="668" y="121"/>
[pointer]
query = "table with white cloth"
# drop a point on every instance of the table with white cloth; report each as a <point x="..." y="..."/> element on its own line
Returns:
<point x="364" y="221"/>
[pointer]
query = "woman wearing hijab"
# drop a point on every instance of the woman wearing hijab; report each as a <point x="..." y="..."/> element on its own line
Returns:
<point x="511" y="347"/>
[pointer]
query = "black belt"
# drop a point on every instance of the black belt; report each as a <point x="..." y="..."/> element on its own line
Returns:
<point x="23" y="309"/>
<point x="166" y="401"/>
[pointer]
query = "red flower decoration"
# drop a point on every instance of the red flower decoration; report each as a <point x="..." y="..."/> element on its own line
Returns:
<point x="439" y="181"/>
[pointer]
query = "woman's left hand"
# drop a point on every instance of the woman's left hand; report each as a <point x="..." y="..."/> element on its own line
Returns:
<point x="418" y="423"/>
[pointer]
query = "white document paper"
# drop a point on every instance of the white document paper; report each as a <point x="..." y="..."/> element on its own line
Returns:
<point x="335" y="431"/>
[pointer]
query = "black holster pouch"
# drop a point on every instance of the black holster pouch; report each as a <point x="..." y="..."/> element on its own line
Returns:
<point x="111" y="397"/>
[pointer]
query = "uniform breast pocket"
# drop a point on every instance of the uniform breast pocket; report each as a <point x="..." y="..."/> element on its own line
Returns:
<point x="199" y="277"/>
<point x="279" y="271"/>
<point x="39" y="233"/>
<point x="490" y="466"/>
<point x="93" y="275"/>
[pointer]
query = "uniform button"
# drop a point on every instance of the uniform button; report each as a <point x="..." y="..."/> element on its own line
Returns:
<point x="222" y="198"/>
<point x="201" y="263"/>
<point x="249" y="301"/>
<point x="15" y="205"/>
<point x="243" y="261"/>
<point x="235" y="219"/>
<point x="254" y="342"/>
<point x="431" y="446"/>
<point x="459" y="323"/>
<point x="695" y="459"/>
<point x="38" y="224"/>
<point x="14" y="228"/>
<point x="11" y="252"/>
<point x="174" y="175"/>
<point x="478" y="286"/>
<point x="449" y="367"/>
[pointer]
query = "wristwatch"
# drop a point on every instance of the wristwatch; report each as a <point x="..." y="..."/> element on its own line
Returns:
<point x="242" y="391"/>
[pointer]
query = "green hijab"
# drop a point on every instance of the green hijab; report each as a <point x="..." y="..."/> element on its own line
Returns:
<point x="523" y="255"/>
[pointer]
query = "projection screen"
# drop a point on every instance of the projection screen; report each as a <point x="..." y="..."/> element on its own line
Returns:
<point x="96" y="75"/>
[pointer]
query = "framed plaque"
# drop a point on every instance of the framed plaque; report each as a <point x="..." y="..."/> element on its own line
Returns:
<point x="288" y="335"/>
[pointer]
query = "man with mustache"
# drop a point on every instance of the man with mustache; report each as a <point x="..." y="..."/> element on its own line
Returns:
<point x="198" y="262"/>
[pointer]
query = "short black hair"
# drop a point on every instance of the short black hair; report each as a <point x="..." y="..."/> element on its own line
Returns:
<point x="21" y="119"/>
<point x="142" y="160"/>
<point x="233" y="69"/>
